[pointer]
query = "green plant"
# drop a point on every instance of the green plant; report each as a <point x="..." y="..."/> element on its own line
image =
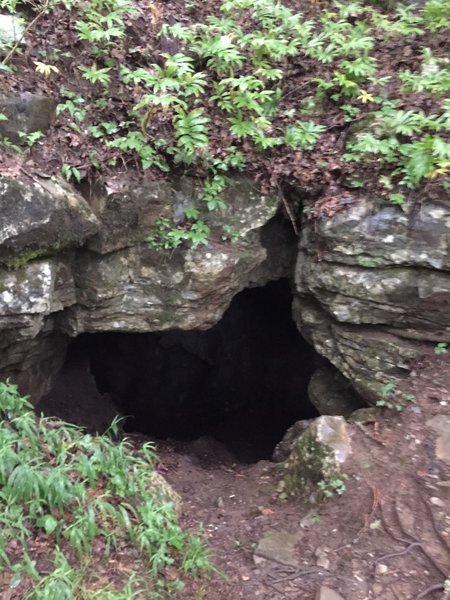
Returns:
<point x="81" y="491"/>
<point x="303" y="135"/>
<point x="191" y="133"/>
<point x="441" y="348"/>
<point x="334" y="485"/>
<point x="135" y="141"/>
<point x="397" y="198"/>
<point x="31" y="138"/>
<point x="437" y="14"/>
<point x="6" y="143"/>
<point x="229" y="233"/>
<point x="96" y="75"/>
<point x="71" y="172"/>
<point x="227" y="96"/>
<point x="192" y="231"/>
<point x="73" y="105"/>
<point x="393" y="398"/>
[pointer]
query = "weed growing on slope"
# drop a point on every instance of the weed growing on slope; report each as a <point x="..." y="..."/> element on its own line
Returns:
<point x="256" y="86"/>
<point x="71" y="501"/>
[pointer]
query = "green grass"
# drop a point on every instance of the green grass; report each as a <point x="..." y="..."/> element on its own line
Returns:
<point x="74" y="505"/>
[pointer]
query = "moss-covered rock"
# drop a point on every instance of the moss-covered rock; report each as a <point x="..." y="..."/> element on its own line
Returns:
<point x="317" y="457"/>
<point x="41" y="218"/>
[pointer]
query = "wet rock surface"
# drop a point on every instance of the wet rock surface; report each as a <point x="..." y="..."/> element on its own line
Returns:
<point x="42" y="217"/>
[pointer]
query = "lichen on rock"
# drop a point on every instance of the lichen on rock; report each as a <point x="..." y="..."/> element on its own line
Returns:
<point x="318" y="455"/>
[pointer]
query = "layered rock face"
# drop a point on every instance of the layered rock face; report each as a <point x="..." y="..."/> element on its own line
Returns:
<point x="70" y="265"/>
<point x="372" y="283"/>
<point x="372" y="286"/>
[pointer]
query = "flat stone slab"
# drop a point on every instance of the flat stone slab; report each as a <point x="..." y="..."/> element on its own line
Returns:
<point x="278" y="546"/>
<point x="441" y="425"/>
<point x="326" y="593"/>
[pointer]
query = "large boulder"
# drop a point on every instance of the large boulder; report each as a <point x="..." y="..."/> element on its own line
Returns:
<point x="123" y="285"/>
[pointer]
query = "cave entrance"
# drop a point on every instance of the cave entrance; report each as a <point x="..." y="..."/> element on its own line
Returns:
<point x="243" y="382"/>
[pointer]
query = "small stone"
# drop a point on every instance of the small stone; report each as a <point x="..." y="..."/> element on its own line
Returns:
<point x="364" y="415"/>
<point x="322" y="558"/>
<point x="437" y="502"/>
<point x="311" y="518"/>
<point x="441" y="425"/>
<point x="323" y="562"/>
<point x="377" y="588"/>
<point x="278" y="546"/>
<point x="381" y="569"/>
<point x="326" y="593"/>
<point x="219" y="502"/>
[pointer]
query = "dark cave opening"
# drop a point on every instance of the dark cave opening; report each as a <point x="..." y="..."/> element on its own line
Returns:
<point x="243" y="382"/>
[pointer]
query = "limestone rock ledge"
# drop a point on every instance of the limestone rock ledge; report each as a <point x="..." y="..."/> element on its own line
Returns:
<point x="70" y="265"/>
<point x="373" y="286"/>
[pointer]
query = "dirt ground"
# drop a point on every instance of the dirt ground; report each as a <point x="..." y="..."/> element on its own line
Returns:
<point x="387" y="537"/>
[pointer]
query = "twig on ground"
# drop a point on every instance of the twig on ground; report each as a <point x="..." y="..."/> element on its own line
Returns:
<point x="392" y="554"/>
<point x="422" y="547"/>
<point x="298" y="573"/>
<point x="292" y="573"/>
<point x="432" y="588"/>
<point x="375" y="503"/>
<point x="367" y="434"/>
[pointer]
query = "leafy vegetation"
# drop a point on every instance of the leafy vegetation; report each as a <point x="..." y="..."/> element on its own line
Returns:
<point x="332" y="486"/>
<point x="70" y="501"/>
<point x="255" y="86"/>
<point x="441" y="348"/>
<point x="393" y="398"/>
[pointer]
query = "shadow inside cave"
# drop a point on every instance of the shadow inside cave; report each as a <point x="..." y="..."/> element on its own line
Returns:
<point x="243" y="382"/>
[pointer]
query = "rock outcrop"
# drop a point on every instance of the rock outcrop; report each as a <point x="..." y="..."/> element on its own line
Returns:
<point x="373" y="285"/>
<point x="372" y="282"/>
<point x="70" y="265"/>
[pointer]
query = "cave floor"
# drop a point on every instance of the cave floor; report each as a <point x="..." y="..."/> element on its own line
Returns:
<point x="387" y="537"/>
